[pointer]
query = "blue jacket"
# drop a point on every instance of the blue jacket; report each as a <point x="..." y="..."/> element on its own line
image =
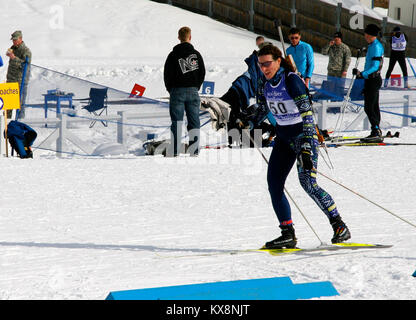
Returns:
<point x="303" y="56"/>
<point x="249" y="82"/>
<point x="18" y="129"/>
<point x="1" y="62"/>
<point x="373" y="59"/>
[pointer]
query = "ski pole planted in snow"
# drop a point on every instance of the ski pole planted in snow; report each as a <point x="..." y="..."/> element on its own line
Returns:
<point x="410" y="64"/>
<point x="347" y="98"/>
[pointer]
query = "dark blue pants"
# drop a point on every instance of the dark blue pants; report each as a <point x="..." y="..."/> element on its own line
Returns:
<point x="282" y="159"/>
<point x="181" y="100"/>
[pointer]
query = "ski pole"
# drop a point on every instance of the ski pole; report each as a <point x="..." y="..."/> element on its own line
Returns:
<point x="22" y="87"/>
<point x="354" y="76"/>
<point x="361" y="196"/>
<point x="347" y="97"/>
<point x="288" y="194"/>
<point x="410" y="64"/>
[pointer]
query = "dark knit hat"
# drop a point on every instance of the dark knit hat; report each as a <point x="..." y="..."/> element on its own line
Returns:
<point x="372" y="30"/>
<point x="396" y="29"/>
<point x="338" y="35"/>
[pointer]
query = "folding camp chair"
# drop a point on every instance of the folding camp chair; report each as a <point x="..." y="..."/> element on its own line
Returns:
<point x="97" y="104"/>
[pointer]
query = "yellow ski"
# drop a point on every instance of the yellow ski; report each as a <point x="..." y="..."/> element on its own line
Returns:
<point x="330" y="247"/>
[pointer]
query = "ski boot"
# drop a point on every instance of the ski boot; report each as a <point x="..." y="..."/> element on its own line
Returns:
<point x="341" y="232"/>
<point x="375" y="136"/>
<point x="286" y="240"/>
<point x="29" y="153"/>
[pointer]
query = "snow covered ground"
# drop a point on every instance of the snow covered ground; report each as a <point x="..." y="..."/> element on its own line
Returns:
<point x="79" y="227"/>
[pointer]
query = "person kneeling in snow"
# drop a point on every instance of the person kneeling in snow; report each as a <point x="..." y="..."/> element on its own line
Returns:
<point x="21" y="138"/>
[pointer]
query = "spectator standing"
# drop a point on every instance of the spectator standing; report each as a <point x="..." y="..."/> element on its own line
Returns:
<point x="398" y="42"/>
<point x="302" y="54"/>
<point x="184" y="74"/>
<point x="339" y="56"/>
<point x="372" y="82"/>
<point x="18" y="54"/>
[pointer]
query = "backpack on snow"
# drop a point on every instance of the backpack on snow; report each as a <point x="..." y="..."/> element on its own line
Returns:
<point x="153" y="147"/>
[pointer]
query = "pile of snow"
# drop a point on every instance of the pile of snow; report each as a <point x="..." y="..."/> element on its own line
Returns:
<point x="110" y="149"/>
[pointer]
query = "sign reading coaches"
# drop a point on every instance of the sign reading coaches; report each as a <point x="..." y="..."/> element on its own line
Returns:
<point x="9" y="96"/>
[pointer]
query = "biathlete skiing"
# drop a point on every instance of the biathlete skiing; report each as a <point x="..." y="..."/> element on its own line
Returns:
<point x="285" y="103"/>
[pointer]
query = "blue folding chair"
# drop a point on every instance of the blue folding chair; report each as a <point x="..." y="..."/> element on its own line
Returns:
<point x="97" y="104"/>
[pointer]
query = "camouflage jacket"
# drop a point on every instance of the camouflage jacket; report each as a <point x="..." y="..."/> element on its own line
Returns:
<point x="15" y="70"/>
<point x="339" y="57"/>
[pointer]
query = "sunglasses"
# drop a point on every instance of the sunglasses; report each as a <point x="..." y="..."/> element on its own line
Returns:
<point x="265" y="64"/>
<point x="294" y="38"/>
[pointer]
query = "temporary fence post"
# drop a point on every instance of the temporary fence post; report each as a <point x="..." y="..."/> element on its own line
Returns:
<point x="338" y="14"/>
<point x="121" y="128"/>
<point x="251" y="13"/>
<point x="322" y="109"/>
<point x="210" y="8"/>
<point x="383" y="30"/>
<point x="366" y="124"/>
<point x="406" y="106"/>
<point x="2" y="140"/>
<point x="62" y="133"/>
<point x="293" y="13"/>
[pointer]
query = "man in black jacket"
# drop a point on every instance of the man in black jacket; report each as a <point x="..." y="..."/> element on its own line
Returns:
<point x="184" y="74"/>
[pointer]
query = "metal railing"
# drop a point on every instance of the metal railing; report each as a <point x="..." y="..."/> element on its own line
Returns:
<point x="62" y="133"/>
<point x="321" y="108"/>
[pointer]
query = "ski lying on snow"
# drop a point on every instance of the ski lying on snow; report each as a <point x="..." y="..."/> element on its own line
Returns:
<point x="353" y="138"/>
<point x="398" y="88"/>
<point x="330" y="247"/>
<point x="367" y="144"/>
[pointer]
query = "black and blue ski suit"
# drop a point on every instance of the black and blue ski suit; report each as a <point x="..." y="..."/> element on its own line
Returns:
<point x="286" y="104"/>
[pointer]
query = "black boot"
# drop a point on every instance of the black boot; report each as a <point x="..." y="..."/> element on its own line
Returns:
<point x="375" y="135"/>
<point x="341" y="232"/>
<point x="286" y="240"/>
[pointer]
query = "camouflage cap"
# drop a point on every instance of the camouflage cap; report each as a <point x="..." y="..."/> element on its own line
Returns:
<point x="16" y="35"/>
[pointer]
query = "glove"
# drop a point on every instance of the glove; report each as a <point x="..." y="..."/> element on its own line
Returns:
<point x="305" y="156"/>
<point x="356" y="72"/>
<point x="244" y="124"/>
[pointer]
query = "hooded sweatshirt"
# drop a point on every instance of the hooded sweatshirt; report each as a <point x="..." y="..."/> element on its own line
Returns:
<point x="184" y="67"/>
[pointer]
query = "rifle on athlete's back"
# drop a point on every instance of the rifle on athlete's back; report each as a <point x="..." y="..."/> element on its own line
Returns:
<point x="288" y="58"/>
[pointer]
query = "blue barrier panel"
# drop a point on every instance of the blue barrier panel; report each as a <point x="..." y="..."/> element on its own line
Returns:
<point x="279" y="288"/>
